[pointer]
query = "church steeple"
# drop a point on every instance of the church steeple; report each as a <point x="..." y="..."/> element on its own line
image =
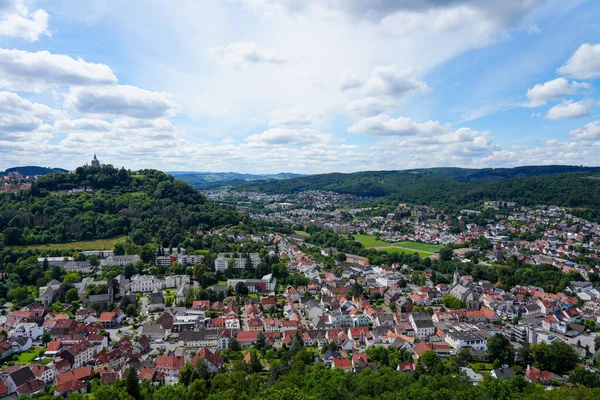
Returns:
<point x="95" y="162"/>
<point x="456" y="278"/>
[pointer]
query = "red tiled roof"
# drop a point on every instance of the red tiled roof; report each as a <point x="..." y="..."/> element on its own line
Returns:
<point x="342" y="363"/>
<point x="170" y="362"/>
<point x="69" y="387"/>
<point x="76" y="374"/>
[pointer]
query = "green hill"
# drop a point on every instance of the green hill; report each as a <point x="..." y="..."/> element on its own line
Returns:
<point x="147" y="206"/>
<point x="34" y="170"/>
<point x="560" y="185"/>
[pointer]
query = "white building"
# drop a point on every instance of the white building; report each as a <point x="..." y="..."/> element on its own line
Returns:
<point x="112" y="261"/>
<point x="177" y="281"/>
<point x="145" y="283"/>
<point x="221" y="262"/>
<point x="459" y="340"/>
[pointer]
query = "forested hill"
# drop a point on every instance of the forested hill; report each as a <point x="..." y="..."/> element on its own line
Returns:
<point x="105" y="202"/>
<point x="560" y="185"/>
<point x="33" y="170"/>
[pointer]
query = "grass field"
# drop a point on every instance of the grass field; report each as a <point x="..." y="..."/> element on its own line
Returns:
<point x="29" y="355"/>
<point x="302" y="233"/>
<point x="98" y="244"/>
<point x="423" y="249"/>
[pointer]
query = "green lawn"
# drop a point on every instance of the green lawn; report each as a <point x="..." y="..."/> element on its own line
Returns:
<point x="423" y="249"/>
<point x="302" y="233"/>
<point x="29" y="355"/>
<point x="98" y="244"/>
<point x="405" y="251"/>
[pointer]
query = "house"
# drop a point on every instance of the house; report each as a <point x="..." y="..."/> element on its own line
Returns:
<point x="31" y="387"/>
<point x="441" y="349"/>
<point x="247" y="338"/>
<point x="406" y="367"/>
<point x="43" y="373"/>
<point x="154" y="331"/>
<point x="213" y="362"/>
<point x="79" y="354"/>
<point x="83" y="373"/>
<point x="109" y="319"/>
<point x="28" y="329"/>
<point x="342" y="363"/>
<point x="70" y="387"/>
<point x="201" y="338"/>
<point x="112" y="261"/>
<point x="536" y="375"/>
<point x="170" y="367"/>
<point x="145" y="284"/>
<point x="18" y="378"/>
<point x="473" y="376"/>
<point x="423" y="328"/>
<point x="166" y="320"/>
<point x="460" y="340"/>
<point x="157" y="301"/>
<point x="503" y="373"/>
<point x="359" y="360"/>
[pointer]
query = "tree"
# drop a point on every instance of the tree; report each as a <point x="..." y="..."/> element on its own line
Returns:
<point x="254" y="366"/>
<point x="260" y="341"/>
<point x="46" y="338"/>
<point x="464" y="357"/>
<point x="241" y="289"/>
<point x="596" y="342"/>
<point x="132" y="384"/>
<point x="186" y="373"/>
<point x="558" y="356"/>
<point x="296" y="344"/>
<point x="72" y="277"/>
<point x="500" y="348"/>
<point x="197" y="390"/>
<point x="129" y="270"/>
<point x="431" y="360"/>
<point x="234" y="345"/>
<point x="119" y="249"/>
<point x="71" y="296"/>
<point x="147" y="253"/>
<point x="356" y="290"/>
<point x="446" y="254"/>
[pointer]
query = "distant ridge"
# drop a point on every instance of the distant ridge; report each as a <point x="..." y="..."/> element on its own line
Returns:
<point x="202" y="180"/>
<point x="563" y="185"/>
<point x="34" y="170"/>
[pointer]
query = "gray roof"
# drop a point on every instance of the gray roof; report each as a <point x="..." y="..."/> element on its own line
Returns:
<point x="22" y="376"/>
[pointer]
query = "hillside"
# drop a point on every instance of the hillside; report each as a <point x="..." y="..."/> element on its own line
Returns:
<point x="560" y="185"/>
<point x="34" y="170"/>
<point x="147" y="205"/>
<point x="209" y="179"/>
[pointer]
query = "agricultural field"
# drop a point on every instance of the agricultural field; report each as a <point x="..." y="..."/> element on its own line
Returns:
<point x="302" y="233"/>
<point x="423" y="249"/>
<point x="98" y="244"/>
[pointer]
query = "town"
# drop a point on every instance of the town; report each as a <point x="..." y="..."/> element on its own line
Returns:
<point x="246" y="297"/>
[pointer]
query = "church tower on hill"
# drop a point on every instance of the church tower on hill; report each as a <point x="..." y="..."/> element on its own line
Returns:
<point x="95" y="162"/>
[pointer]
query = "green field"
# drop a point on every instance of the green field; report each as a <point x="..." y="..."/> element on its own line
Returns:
<point x="423" y="249"/>
<point x="302" y="233"/>
<point x="98" y="244"/>
<point x="29" y="355"/>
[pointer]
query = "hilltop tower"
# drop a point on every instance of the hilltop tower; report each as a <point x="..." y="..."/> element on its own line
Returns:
<point x="456" y="278"/>
<point x="95" y="162"/>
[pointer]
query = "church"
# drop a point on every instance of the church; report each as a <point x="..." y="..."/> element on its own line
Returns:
<point x="463" y="289"/>
<point x="95" y="162"/>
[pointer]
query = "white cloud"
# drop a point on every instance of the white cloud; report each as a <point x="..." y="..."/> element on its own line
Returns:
<point x="21" y="119"/>
<point x="24" y="71"/>
<point x="290" y="137"/>
<point x="241" y="54"/>
<point x="369" y="106"/>
<point x="121" y="100"/>
<point x="383" y="125"/>
<point x="82" y="125"/>
<point x="389" y="80"/>
<point x="551" y="90"/>
<point x="589" y="131"/>
<point x="17" y="22"/>
<point x="568" y="109"/>
<point x="289" y="116"/>
<point x="584" y="63"/>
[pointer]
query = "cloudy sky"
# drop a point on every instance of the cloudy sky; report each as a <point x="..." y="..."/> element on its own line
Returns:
<point x="303" y="86"/>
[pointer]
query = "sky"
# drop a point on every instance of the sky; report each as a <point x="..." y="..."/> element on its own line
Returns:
<point x="304" y="86"/>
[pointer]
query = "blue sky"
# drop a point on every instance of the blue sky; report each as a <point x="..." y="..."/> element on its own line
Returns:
<point x="299" y="86"/>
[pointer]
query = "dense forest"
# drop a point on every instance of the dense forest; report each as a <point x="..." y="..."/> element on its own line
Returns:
<point x="105" y="202"/>
<point x="293" y="376"/>
<point x="559" y="185"/>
